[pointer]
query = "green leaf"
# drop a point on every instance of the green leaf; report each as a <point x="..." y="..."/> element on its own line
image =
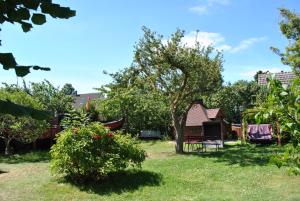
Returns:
<point x="55" y="10"/>
<point x="23" y="13"/>
<point x="31" y="4"/>
<point x="21" y="71"/>
<point x="7" y="60"/>
<point x="26" y="26"/>
<point x="40" y="68"/>
<point x="38" y="19"/>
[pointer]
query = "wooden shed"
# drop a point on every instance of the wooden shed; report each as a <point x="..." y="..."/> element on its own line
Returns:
<point x="208" y="123"/>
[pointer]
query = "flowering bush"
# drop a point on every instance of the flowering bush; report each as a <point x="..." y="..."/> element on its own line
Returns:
<point x="93" y="151"/>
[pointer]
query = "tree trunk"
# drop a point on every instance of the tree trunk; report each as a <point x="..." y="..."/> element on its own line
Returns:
<point x="7" y="146"/>
<point x="179" y="132"/>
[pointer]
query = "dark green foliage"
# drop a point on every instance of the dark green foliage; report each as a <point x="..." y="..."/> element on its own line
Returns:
<point x="26" y="13"/>
<point x="21" y="126"/>
<point x="91" y="152"/>
<point x="8" y="107"/>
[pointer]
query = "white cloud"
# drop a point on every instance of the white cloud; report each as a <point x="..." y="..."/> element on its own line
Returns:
<point x="218" y="41"/>
<point x="200" y="10"/>
<point x="206" y="5"/>
<point x="204" y="38"/>
<point x="245" y="44"/>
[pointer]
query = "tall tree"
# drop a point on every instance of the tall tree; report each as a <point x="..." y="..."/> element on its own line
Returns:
<point x="68" y="89"/>
<point x="179" y="72"/>
<point x="290" y="28"/>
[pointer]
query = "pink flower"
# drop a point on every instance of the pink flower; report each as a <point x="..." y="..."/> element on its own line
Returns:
<point x="110" y="135"/>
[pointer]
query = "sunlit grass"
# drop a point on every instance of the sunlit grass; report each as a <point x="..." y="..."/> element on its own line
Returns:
<point x="234" y="173"/>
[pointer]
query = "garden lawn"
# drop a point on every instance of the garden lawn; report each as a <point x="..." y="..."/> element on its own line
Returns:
<point x="234" y="173"/>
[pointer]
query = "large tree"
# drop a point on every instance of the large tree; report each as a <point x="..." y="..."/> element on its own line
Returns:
<point x="181" y="73"/>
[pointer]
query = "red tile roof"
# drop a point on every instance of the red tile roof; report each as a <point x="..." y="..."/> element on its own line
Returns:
<point x="283" y="77"/>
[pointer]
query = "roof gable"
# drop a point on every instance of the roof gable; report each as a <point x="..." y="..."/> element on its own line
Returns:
<point x="198" y="114"/>
<point x="213" y="113"/>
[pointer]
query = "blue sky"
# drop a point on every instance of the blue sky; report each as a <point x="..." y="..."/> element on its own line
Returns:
<point x="103" y="34"/>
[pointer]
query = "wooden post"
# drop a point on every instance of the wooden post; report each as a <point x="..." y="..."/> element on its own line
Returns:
<point x="278" y="134"/>
<point x="222" y="132"/>
<point x="244" y="131"/>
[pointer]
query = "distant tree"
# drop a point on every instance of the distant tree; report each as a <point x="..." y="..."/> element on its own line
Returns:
<point x="234" y="98"/>
<point x="68" y="89"/>
<point x="53" y="98"/>
<point x="178" y="72"/>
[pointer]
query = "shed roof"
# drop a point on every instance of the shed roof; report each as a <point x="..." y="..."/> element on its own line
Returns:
<point x="196" y="115"/>
<point x="199" y="114"/>
<point x="213" y="113"/>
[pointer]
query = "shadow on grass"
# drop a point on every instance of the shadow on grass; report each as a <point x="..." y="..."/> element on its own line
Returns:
<point x="150" y="141"/>
<point x="2" y="171"/>
<point x="119" y="182"/>
<point x="31" y="157"/>
<point x="247" y="155"/>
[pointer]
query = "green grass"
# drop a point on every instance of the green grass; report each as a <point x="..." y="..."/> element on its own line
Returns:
<point x="234" y="173"/>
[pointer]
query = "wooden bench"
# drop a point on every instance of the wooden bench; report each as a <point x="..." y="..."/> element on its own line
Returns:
<point x="193" y="141"/>
<point x="211" y="141"/>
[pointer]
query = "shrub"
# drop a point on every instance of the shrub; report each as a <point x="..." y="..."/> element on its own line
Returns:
<point x="92" y="152"/>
